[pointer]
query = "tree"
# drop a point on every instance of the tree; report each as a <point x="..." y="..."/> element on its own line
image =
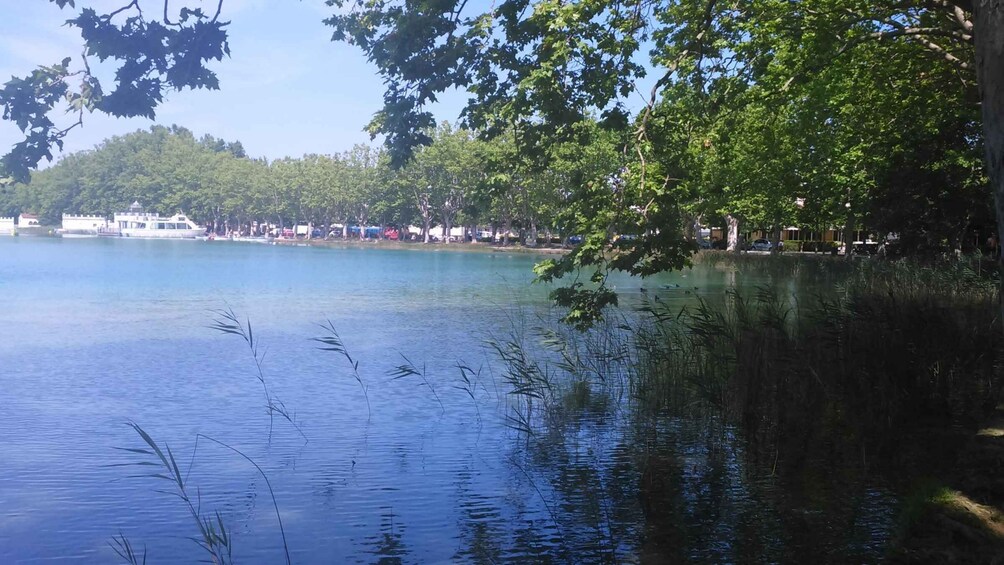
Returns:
<point x="544" y="66"/>
<point x="363" y="184"/>
<point x="539" y="70"/>
<point x="152" y="57"/>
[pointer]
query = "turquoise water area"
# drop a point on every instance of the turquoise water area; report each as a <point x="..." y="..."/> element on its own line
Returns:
<point x="96" y="333"/>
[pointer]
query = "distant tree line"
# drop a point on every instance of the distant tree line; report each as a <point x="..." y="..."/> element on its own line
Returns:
<point x="922" y="181"/>
<point x="457" y="181"/>
<point x="756" y="115"/>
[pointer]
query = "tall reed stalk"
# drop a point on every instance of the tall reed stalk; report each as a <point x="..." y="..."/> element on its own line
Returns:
<point x="333" y="342"/>
<point x="227" y="322"/>
<point x="409" y="369"/>
<point x="214" y="537"/>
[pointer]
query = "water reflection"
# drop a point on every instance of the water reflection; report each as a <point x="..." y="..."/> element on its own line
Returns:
<point x="599" y="484"/>
<point x="672" y="491"/>
<point x="387" y="547"/>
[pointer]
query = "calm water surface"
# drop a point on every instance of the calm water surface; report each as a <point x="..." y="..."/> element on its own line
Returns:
<point x="97" y="333"/>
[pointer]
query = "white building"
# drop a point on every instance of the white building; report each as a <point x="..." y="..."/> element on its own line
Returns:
<point x="75" y="223"/>
<point x="6" y="225"/>
<point x="26" y="220"/>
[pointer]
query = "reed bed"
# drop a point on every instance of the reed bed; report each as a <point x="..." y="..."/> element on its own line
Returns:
<point x="887" y="346"/>
<point x="894" y="345"/>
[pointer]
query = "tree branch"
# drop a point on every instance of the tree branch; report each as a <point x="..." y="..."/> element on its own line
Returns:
<point x="133" y="4"/>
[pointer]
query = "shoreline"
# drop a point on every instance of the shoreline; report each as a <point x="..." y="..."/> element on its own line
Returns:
<point x="416" y="246"/>
<point x="50" y="232"/>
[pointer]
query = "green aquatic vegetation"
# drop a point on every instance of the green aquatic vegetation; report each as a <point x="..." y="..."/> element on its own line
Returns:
<point x="227" y="322"/>
<point x="124" y="549"/>
<point x="333" y="342"/>
<point x="408" y="369"/>
<point x="469" y="379"/>
<point x="214" y="536"/>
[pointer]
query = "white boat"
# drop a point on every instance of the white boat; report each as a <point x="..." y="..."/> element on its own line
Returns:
<point x="137" y="223"/>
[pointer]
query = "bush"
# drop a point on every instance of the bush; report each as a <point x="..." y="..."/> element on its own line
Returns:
<point x="814" y="246"/>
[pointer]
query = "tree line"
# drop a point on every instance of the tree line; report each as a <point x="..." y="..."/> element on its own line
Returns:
<point x="762" y="115"/>
<point x="916" y="173"/>
<point x="457" y="181"/>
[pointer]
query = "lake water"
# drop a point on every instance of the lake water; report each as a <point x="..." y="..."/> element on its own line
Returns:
<point x="98" y="333"/>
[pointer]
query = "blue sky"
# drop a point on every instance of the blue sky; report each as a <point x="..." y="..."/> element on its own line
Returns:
<point x="286" y="90"/>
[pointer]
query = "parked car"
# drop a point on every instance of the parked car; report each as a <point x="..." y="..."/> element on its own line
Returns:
<point x="864" y="247"/>
<point x="761" y="245"/>
<point x="575" y="240"/>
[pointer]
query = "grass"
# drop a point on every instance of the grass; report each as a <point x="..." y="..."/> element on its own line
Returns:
<point x="940" y="524"/>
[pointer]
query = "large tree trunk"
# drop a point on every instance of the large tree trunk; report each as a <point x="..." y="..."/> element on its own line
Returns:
<point x="988" y="35"/>
<point x="733" y="223"/>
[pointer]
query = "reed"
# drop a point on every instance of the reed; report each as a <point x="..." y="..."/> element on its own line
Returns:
<point x="892" y="346"/>
<point x="549" y="371"/>
<point x="409" y="369"/>
<point x="214" y="536"/>
<point x="124" y="549"/>
<point x="331" y="341"/>
<point x="530" y="383"/>
<point x="268" y="484"/>
<point x="227" y="322"/>
<point x="469" y="379"/>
